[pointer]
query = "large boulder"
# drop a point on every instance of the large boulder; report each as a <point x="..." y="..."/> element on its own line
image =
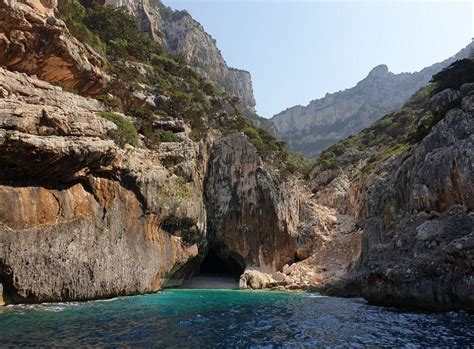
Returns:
<point x="254" y="279"/>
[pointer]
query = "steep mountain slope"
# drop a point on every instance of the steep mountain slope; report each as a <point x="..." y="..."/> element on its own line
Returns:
<point x="312" y="128"/>
<point x="408" y="183"/>
<point x="183" y="36"/>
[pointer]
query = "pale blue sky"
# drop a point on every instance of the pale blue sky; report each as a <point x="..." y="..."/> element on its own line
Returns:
<point x="299" y="50"/>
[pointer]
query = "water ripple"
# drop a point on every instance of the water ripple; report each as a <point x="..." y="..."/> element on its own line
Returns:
<point x="223" y="318"/>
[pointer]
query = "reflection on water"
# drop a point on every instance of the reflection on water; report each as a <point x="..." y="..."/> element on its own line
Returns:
<point x="227" y="318"/>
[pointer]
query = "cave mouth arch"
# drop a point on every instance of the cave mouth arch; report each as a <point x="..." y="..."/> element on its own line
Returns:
<point x="217" y="269"/>
<point x="217" y="263"/>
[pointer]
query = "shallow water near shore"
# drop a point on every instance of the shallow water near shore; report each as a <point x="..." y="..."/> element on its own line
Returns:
<point x="228" y="318"/>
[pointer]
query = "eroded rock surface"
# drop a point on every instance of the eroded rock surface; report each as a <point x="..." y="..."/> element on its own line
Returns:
<point x="416" y="215"/>
<point x="34" y="41"/>
<point x="81" y="218"/>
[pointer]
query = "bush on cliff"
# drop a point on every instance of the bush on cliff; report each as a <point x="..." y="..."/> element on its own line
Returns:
<point x="125" y="132"/>
<point x="73" y="14"/>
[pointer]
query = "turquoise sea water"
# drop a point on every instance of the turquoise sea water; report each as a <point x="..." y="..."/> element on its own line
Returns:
<point x="229" y="318"/>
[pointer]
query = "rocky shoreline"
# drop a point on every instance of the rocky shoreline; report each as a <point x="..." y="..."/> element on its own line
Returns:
<point x="112" y="187"/>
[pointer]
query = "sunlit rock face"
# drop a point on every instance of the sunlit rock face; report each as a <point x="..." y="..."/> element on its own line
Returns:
<point x="182" y="35"/>
<point x="80" y="217"/>
<point x="35" y="42"/>
<point x="312" y="128"/>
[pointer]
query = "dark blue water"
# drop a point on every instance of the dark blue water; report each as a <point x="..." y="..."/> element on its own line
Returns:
<point x="226" y="318"/>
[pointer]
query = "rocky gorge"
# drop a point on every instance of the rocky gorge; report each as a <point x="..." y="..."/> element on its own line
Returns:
<point x="121" y="175"/>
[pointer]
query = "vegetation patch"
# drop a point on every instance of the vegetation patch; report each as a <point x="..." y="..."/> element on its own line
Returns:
<point x="182" y="93"/>
<point x="126" y="133"/>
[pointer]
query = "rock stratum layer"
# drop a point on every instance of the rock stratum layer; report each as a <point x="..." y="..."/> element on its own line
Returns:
<point x="311" y="129"/>
<point x="34" y="41"/>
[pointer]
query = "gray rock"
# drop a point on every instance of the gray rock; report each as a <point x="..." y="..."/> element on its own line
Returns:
<point x="467" y="88"/>
<point x="279" y="276"/>
<point x="254" y="279"/>
<point x="440" y="101"/>
<point x="312" y="128"/>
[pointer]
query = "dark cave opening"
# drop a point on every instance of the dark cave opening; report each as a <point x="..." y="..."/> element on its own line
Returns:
<point x="216" y="264"/>
<point x="218" y="270"/>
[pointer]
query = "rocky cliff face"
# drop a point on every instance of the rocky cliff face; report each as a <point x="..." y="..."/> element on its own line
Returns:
<point x="35" y="42"/>
<point x="183" y="36"/>
<point x="312" y="128"/>
<point x="415" y="205"/>
<point x="81" y="218"/>
<point x="85" y="215"/>
<point x="243" y="197"/>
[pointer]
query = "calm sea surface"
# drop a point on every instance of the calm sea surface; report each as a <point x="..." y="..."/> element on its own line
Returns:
<point x="229" y="318"/>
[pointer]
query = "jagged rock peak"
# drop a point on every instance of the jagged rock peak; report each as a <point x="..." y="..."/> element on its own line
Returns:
<point x="379" y="71"/>
<point x="313" y="128"/>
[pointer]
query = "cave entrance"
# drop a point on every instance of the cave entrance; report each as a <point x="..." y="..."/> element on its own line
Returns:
<point x="213" y="264"/>
<point x="217" y="270"/>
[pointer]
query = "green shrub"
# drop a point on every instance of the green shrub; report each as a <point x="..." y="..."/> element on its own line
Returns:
<point x="73" y="14"/>
<point x="125" y="132"/>
<point x="121" y="32"/>
<point x="166" y="136"/>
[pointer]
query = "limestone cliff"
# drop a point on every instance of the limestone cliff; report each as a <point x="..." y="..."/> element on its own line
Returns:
<point x="407" y="181"/>
<point x="81" y="218"/>
<point x="183" y="36"/>
<point x="34" y="41"/>
<point x="116" y="195"/>
<point x="312" y="128"/>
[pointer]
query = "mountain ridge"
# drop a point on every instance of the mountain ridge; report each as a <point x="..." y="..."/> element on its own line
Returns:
<point x="311" y="128"/>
